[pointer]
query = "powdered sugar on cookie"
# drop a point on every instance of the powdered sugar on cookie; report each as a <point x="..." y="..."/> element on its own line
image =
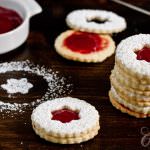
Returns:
<point x="57" y="85"/>
<point x="82" y="20"/>
<point x="88" y="115"/>
<point x="126" y="56"/>
<point x="130" y="77"/>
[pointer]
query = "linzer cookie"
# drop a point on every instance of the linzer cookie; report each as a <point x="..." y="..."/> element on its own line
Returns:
<point x="130" y="78"/>
<point x="96" y="21"/>
<point x="135" y="108"/>
<point x="89" y="40"/>
<point x="131" y="81"/>
<point x="124" y="109"/>
<point x="130" y="95"/>
<point x="66" y="121"/>
<point x="84" y="46"/>
<point x="132" y="56"/>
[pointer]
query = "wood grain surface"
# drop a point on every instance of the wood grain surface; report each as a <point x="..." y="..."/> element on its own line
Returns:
<point x="91" y="81"/>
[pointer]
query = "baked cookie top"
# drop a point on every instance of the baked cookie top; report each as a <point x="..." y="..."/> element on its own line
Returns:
<point x="133" y="53"/>
<point x="95" y="21"/>
<point x="63" y="116"/>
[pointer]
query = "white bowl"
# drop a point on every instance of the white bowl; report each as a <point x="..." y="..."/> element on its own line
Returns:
<point x="14" y="38"/>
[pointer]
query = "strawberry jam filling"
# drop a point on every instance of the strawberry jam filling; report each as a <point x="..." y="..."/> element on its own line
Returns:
<point x="65" y="115"/>
<point x="9" y="20"/>
<point x="83" y="42"/>
<point x="143" y="54"/>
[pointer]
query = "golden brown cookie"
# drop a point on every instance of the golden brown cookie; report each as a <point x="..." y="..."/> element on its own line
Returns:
<point x="131" y="95"/>
<point x="129" y="86"/>
<point x="124" y="109"/>
<point x="133" y="107"/>
<point x="84" y="47"/>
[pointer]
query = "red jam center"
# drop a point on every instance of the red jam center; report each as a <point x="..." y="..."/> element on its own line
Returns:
<point x="83" y="42"/>
<point x="65" y="115"/>
<point x="143" y="54"/>
<point x="9" y="20"/>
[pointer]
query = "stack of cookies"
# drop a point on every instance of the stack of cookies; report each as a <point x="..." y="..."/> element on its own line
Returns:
<point x="130" y="78"/>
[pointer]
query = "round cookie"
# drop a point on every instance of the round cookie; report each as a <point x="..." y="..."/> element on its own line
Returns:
<point x="130" y="86"/>
<point x="127" y="75"/>
<point x="66" y="121"/>
<point x="135" y="108"/>
<point x="85" y="20"/>
<point x="84" y="47"/>
<point x="124" y="109"/>
<point x="127" y="56"/>
<point x="129" y="96"/>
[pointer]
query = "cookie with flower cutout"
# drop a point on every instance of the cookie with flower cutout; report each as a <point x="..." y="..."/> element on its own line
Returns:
<point x="96" y="21"/>
<point x="84" y="46"/>
<point x="133" y="57"/>
<point x="130" y="78"/>
<point x="66" y="121"/>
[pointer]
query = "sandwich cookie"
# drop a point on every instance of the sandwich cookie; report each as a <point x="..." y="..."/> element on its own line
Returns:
<point x="66" y="121"/>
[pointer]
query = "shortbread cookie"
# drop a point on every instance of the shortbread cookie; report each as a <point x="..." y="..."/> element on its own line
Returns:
<point x="133" y="56"/>
<point x="124" y="109"/>
<point x="133" y="101"/>
<point x="145" y="89"/>
<point x="125" y="85"/>
<point x="86" y="20"/>
<point x="66" y="121"/>
<point x="131" y="78"/>
<point x="131" y="82"/>
<point x="127" y="72"/>
<point x="84" y="47"/>
<point x="67" y="140"/>
<point x="143" y="110"/>
<point x="129" y="96"/>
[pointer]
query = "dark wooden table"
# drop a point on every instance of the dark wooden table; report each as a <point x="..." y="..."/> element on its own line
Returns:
<point x="91" y="81"/>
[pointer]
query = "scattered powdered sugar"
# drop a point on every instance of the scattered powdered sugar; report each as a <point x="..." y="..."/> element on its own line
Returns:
<point x="57" y="85"/>
<point x="17" y="86"/>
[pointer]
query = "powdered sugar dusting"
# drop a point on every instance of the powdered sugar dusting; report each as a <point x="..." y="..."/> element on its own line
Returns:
<point x="82" y="20"/>
<point x="89" y="116"/>
<point x="57" y="85"/>
<point x="126" y="56"/>
<point x="17" y="86"/>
